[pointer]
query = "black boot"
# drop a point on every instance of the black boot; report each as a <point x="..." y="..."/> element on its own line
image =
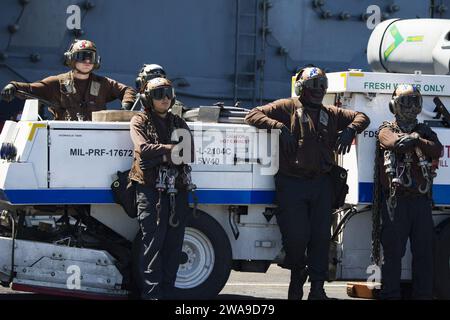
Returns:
<point x="317" y="292"/>
<point x="298" y="279"/>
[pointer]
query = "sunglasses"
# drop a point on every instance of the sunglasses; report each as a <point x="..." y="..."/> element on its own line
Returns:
<point x="316" y="83"/>
<point x="82" y="56"/>
<point x="160" y="93"/>
<point x="409" y="100"/>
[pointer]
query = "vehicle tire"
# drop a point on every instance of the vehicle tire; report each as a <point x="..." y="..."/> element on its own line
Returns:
<point x="206" y="260"/>
<point x="442" y="264"/>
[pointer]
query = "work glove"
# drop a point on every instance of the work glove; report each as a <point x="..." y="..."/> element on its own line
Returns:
<point x="407" y="142"/>
<point x="8" y="92"/>
<point x="288" y="141"/>
<point x="344" y="140"/>
<point x="127" y="105"/>
<point x="425" y="131"/>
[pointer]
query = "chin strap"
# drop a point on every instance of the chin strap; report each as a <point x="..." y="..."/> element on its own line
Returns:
<point x="406" y="126"/>
<point x="312" y="106"/>
<point x="81" y="72"/>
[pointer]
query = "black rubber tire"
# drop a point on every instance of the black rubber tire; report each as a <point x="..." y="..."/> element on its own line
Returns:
<point x="442" y="264"/>
<point x="218" y="277"/>
<point x="221" y="269"/>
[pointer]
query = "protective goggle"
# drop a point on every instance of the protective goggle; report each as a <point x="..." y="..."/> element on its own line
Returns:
<point x="409" y="100"/>
<point x="159" y="73"/>
<point x="82" y="56"/>
<point x="316" y="83"/>
<point x="160" y="93"/>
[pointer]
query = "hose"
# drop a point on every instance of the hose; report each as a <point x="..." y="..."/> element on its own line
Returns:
<point x="350" y="213"/>
<point x="13" y="235"/>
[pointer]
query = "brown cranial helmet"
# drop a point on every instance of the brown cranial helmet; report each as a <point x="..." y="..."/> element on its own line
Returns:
<point x="157" y="89"/>
<point x="406" y="102"/>
<point x="310" y="77"/>
<point x="82" y="50"/>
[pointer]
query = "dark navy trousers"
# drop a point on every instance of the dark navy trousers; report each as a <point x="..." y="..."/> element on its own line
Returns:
<point x="162" y="243"/>
<point x="304" y="217"/>
<point x="413" y="220"/>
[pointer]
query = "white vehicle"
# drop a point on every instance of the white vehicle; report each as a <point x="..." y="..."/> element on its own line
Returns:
<point x="62" y="233"/>
<point x="65" y="169"/>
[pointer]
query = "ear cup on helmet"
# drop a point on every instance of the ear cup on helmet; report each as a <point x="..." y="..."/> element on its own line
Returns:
<point x="147" y="104"/>
<point x="298" y="88"/>
<point x="145" y="101"/>
<point x="138" y="82"/>
<point x="392" y="102"/>
<point x="97" y="63"/>
<point x="391" y="106"/>
<point x="67" y="59"/>
<point x="298" y="85"/>
<point x="68" y="55"/>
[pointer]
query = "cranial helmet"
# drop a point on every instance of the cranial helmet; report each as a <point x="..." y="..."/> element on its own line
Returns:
<point x="157" y="89"/>
<point x="310" y="77"/>
<point x="82" y="50"/>
<point x="148" y="72"/>
<point x="406" y="101"/>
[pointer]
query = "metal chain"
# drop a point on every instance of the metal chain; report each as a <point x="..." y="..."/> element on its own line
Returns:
<point x="172" y="222"/>
<point x="160" y="187"/>
<point x="158" y="207"/>
<point x="427" y="172"/>
<point x="390" y="165"/>
<point x="376" y="207"/>
<point x="377" y="200"/>
<point x="172" y="191"/>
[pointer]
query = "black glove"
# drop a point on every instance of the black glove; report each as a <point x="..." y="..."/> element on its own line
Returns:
<point x="288" y="141"/>
<point x="406" y="142"/>
<point x="8" y="92"/>
<point x="345" y="139"/>
<point x="127" y="105"/>
<point x="425" y="131"/>
<point x="150" y="164"/>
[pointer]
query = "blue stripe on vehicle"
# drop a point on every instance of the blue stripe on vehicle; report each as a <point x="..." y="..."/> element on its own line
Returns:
<point x="69" y="196"/>
<point x="234" y="196"/>
<point x="441" y="193"/>
<point x="101" y="196"/>
<point x="365" y="192"/>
